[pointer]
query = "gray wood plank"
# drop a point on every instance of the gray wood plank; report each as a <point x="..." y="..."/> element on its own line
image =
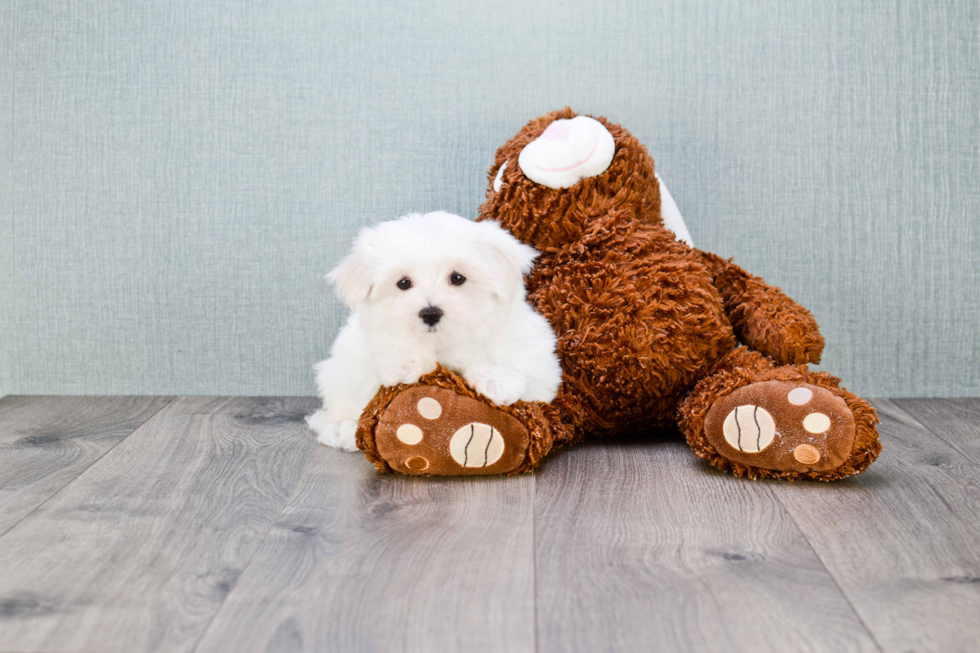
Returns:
<point x="640" y="546"/>
<point x="955" y="421"/>
<point x="902" y="539"/>
<point x="45" y="442"/>
<point x="138" y="553"/>
<point x="362" y="562"/>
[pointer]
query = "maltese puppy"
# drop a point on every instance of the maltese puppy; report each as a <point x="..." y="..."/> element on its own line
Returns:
<point x="427" y="289"/>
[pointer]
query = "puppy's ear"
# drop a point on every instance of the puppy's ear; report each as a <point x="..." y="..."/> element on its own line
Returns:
<point x="353" y="278"/>
<point x="511" y="258"/>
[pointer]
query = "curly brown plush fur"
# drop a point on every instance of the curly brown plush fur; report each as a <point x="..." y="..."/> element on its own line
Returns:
<point x="650" y="331"/>
<point x="632" y="340"/>
<point x="763" y="317"/>
<point x="640" y="316"/>
<point x="547" y="217"/>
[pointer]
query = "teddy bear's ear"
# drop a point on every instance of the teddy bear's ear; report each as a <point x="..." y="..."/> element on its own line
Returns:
<point x="353" y="277"/>
<point x="672" y="215"/>
<point x="511" y="259"/>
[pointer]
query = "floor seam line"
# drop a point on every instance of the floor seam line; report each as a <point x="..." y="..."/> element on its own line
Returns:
<point x="91" y="465"/>
<point x="830" y="573"/>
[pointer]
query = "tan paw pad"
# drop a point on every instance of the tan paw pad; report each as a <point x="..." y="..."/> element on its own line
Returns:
<point x="429" y="408"/>
<point x="417" y="463"/>
<point x="800" y="396"/>
<point x="476" y="445"/>
<point x="409" y="434"/>
<point x="816" y="423"/>
<point x="749" y="429"/>
<point x="807" y="454"/>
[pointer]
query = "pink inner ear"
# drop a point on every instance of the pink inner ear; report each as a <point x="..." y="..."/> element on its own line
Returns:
<point x="558" y="130"/>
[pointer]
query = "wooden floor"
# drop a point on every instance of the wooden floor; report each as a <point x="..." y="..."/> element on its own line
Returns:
<point x="218" y="524"/>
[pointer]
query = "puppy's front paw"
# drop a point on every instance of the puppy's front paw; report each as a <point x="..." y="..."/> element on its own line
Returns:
<point x="499" y="385"/>
<point x="337" y="435"/>
<point x="347" y="436"/>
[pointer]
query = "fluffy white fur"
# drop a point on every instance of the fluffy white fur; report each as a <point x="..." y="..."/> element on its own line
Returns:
<point x="487" y="332"/>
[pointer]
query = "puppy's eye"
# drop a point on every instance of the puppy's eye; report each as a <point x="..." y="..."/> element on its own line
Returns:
<point x="456" y="279"/>
<point x="404" y="284"/>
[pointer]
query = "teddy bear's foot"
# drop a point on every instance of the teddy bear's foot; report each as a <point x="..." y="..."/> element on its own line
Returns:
<point x="440" y="427"/>
<point x="782" y="425"/>
<point x="432" y="430"/>
<point x="758" y="420"/>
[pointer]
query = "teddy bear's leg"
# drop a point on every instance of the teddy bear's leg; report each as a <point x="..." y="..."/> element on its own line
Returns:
<point x="441" y="427"/>
<point x="756" y="419"/>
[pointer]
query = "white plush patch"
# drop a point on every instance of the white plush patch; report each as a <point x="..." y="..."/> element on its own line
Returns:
<point x="498" y="181"/>
<point x="799" y="396"/>
<point x="672" y="215"/>
<point x="567" y="152"/>
<point x="816" y="422"/>
<point x="409" y="434"/>
<point x="749" y="428"/>
<point x="429" y="408"/>
<point x="476" y="445"/>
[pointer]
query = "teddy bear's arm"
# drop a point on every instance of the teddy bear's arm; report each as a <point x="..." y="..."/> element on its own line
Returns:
<point x="763" y="317"/>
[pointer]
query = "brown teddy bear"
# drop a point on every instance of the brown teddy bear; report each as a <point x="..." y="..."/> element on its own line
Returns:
<point x="651" y="333"/>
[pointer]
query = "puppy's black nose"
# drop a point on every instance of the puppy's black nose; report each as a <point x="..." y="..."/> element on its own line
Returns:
<point x="431" y="315"/>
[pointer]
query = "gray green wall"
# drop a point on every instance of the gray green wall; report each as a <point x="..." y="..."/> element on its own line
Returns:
<point x="176" y="177"/>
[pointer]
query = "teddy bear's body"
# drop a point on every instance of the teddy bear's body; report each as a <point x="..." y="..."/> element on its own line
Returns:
<point x="651" y="332"/>
<point x="639" y="322"/>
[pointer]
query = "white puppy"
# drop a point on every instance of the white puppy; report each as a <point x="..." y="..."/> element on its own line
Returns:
<point x="427" y="289"/>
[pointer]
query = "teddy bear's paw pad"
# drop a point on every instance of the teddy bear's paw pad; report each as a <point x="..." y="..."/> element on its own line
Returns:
<point x="783" y="426"/>
<point x="476" y="445"/>
<point x="434" y="431"/>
